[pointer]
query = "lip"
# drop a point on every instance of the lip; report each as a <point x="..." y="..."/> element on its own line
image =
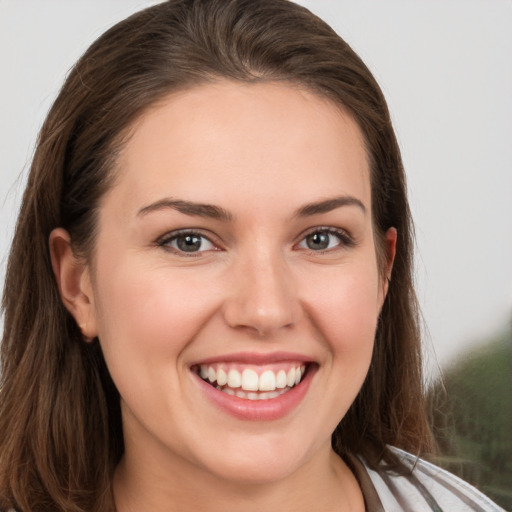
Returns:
<point x="256" y="358"/>
<point x="257" y="410"/>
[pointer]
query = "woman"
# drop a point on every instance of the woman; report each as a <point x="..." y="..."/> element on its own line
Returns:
<point x="209" y="299"/>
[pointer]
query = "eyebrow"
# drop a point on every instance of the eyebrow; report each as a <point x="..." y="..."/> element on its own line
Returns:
<point x="188" y="208"/>
<point x="328" y="205"/>
<point x="216" y="212"/>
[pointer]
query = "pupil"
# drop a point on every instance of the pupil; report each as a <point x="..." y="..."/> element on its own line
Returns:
<point x="189" y="243"/>
<point x="318" y="241"/>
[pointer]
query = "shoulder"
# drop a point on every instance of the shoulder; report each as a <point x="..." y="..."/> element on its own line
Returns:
<point x="426" y="488"/>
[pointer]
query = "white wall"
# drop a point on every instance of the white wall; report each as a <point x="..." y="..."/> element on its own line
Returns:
<point x="446" y="69"/>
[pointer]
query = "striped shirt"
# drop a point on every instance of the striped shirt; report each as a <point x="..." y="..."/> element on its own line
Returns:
<point x="427" y="488"/>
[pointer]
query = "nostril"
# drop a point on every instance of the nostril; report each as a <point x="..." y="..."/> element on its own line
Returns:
<point x="263" y="297"/>
<point x="262" y="320"/>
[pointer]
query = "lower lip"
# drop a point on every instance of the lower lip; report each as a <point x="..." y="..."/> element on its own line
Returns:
<point x="258" y="410"/>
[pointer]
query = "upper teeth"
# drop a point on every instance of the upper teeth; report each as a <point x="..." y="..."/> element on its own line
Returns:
<point x="250" y="380"/>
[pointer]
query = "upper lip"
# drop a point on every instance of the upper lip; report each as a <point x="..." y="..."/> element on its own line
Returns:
<point x="256" y="358"/>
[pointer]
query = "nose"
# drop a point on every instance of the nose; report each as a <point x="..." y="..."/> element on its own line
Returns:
<point x="262" y="297"/>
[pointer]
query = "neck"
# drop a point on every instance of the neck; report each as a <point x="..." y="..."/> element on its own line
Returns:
<point x="322" y="483"/>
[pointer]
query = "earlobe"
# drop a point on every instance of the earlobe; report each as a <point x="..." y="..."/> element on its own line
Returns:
<point x="73" y="280"/>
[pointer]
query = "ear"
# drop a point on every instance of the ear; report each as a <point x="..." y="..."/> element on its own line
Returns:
<point x="390" y="252"/>
<point x="74" y="282"/>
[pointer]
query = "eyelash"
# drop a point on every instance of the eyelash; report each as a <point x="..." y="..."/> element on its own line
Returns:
<point x="344" y="238"/>
<point x="166" y="241"/>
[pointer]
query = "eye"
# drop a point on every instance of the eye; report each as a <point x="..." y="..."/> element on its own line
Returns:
<point x="324" y="240"/>
<point x="187" y="242"/>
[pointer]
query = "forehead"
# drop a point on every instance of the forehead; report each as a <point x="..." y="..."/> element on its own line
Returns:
<point x="247" y="140"/>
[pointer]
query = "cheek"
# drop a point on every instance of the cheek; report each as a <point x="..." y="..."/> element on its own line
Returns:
<point x="150" y="312"/>
<point x="344" y="306"/>
<point x="147" y="317"/>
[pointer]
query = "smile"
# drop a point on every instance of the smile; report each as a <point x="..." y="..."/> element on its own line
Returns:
<point x="252" y="382"/>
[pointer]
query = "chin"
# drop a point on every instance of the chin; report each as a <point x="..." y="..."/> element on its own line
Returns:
<point x="249" y="473"/>
<point x="259" y="462"/>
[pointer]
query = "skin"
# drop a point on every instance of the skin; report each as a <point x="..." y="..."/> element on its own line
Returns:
<point x="261" y="153"/>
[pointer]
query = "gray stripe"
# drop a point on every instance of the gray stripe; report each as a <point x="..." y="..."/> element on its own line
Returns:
<point x="398" y="495"/>
<point x="427" y="496"/>
<point x="455" y="490"/>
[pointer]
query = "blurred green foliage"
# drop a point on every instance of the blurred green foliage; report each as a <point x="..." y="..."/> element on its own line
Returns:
<point x="471" y="409"/>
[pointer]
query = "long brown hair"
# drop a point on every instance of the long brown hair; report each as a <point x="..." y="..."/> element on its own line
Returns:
<point x="60" y="424"/>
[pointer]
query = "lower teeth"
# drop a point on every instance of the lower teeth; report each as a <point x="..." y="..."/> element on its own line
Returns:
<point x="253" y="395"/>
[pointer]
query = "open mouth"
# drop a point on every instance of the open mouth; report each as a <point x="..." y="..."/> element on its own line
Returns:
<point x="252" y="382"/>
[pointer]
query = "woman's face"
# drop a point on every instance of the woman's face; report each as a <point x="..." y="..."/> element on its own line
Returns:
<point x="236" y="246"/>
